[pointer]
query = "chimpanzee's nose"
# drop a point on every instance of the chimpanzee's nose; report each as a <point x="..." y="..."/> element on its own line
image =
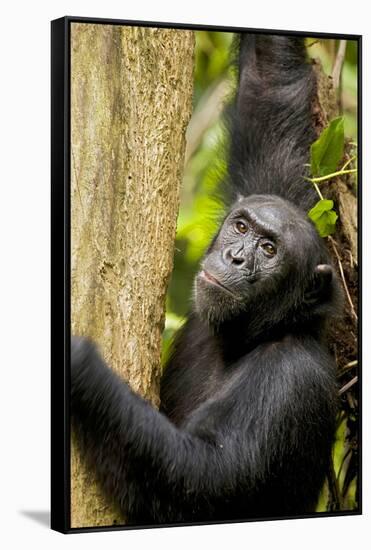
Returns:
<point x="233" y="256"/>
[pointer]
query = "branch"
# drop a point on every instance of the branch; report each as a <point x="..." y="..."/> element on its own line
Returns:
<point x="338" y="64"/>
<point x="207" y="112"/>
<point x="343" y="278"/>
<point x="333" y="175"/>
<point x="347" y="368"/>
<point x="349" y="384"/>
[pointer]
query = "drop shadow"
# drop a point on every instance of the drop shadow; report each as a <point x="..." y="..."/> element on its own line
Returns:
<point x="42" y="517"/>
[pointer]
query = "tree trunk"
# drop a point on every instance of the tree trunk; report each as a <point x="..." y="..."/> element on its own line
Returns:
<point x="343" y="333"/>
<point x="131" y="93"/>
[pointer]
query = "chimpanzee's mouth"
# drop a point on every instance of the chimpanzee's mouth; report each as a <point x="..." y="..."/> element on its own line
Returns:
<point x="206" y="276"/>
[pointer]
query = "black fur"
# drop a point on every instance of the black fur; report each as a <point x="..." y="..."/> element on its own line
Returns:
<point x="248" y="399"/>
<point x="271" y="122"/>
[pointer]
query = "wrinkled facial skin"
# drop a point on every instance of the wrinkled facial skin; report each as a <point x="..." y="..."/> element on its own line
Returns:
<point x="261" y="243"/>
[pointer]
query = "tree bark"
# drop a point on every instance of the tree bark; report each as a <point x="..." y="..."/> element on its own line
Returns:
<point x="131" y="94"/>
<point x="343" y="332"/>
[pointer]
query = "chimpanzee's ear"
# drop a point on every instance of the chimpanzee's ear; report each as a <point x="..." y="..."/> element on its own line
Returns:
<point x="320" y="285"/>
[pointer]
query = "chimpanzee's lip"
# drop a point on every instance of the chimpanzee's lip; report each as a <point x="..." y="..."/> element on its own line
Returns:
<point x="213" y="280"/>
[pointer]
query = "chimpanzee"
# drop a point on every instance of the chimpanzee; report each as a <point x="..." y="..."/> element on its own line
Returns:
<point x="249" y="394"/>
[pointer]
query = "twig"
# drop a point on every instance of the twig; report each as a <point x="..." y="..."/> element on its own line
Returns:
<point x="333" y="175"/>
<point x="346" y="368"/>
<point x="349" y="384"/>
<point x="351" y="259"/>
<point x="343" y="278"/>
<point x="351" y="401"/>
<point x="351" y="364"/>
<point x="338" y="64"/>
<point x="318" y="191"/>
<point x="349" y="161"/>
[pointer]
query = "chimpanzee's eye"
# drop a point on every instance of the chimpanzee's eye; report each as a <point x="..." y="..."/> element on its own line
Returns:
<point x="269" y="248"/>
<point x="241" y="227"/>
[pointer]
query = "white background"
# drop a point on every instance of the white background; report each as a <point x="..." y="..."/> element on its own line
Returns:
<point x="24" y="289"/>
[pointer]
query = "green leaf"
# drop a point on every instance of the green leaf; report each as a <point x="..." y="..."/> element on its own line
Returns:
<point x="324" y="217"/>
<point x="327" y="151"/>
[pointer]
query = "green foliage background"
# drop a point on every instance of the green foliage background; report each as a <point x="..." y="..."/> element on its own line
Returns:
<point x="205" y="163"/>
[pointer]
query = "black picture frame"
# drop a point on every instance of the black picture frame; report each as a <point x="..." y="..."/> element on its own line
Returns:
<point x="61" y="247"/>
